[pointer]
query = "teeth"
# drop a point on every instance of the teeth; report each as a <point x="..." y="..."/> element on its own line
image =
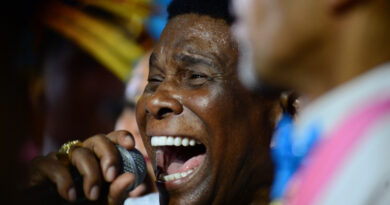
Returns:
<point x="173" y="141"/>
<point x="162" y="140"/>
<point x="169" y="177"/>
<point x="169" y="141"/>
<point x="192" y="142"/>
<point x="177" y="141"/>
<point x="184" y="142"/>
<point x="183" y="174"/>
<point x="175" y="176"/>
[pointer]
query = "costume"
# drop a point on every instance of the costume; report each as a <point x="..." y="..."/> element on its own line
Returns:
<point x="346" y="162"/>
<point x="149" y="199"/>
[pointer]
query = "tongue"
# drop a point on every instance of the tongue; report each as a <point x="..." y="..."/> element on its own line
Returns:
<point x="181" y="166"/>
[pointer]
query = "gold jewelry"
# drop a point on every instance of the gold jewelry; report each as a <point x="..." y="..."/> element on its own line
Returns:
<point x="65" y="152"/>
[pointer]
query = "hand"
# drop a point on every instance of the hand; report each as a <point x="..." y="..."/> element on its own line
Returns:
<point x="97" y="161"/>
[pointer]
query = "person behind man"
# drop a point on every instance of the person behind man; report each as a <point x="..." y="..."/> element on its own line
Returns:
<point x="207" y="137"/>
<point x="127" y="121"/>
<point x="336" y="53"/>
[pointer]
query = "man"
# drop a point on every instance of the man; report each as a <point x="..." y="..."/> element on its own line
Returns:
<point x="335" y="53"/>
<point x="207" y="137"/>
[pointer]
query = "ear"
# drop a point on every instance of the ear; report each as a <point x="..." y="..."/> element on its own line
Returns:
<point x="289" y="101"/>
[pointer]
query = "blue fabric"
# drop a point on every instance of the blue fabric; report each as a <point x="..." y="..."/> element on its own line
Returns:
<point x="155" y="25"/>
<point x="289" y="154"/>
<point x="158" y="19"/>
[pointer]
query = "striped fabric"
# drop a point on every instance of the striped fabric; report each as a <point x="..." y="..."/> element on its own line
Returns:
<point x="332" y="153"/>
<point x="349" y="164"/>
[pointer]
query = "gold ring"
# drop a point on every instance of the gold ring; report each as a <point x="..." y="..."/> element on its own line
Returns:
<point x="64" y="154"/>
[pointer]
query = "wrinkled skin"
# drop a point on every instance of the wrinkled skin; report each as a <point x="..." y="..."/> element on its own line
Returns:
<point x="96" y="160"/>
<point x="193" y="90"/>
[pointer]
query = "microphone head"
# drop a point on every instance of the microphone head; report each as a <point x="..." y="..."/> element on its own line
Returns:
<point x="134" y="162"/>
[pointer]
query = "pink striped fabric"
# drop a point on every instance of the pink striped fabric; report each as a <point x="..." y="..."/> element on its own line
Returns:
<point x="330" y="154"/>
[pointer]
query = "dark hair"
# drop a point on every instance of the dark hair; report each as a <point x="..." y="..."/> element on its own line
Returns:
<point x="213" y="8"/>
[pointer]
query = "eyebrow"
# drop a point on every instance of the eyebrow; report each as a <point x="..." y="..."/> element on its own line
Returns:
<point x="152" y="59"/>
<point x="194" y="59"/>
<point x="152" y="62"/>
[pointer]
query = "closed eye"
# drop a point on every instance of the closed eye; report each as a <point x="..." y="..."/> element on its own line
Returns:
<point x="150" y="80"/>
<point x="196" y="76"/>
<point x="155" y="78"/>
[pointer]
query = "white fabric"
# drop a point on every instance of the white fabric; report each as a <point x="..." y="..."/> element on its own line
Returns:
<point x="364" y="177"/>
<point x="150" y="199"/>
<point x="334" y="106"/>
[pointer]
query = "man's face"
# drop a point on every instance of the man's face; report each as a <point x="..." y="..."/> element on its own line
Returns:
<point x="207" y="137"/>
<point x="284" y="40"/>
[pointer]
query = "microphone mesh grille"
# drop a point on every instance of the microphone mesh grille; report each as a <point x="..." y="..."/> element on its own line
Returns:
<point x="134" y="162"/>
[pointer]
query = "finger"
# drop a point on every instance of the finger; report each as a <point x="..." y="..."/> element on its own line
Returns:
<point x="123" y="138"/>
<point x="48" y="168"/>
<point x="87" y="165"/>
<point x="107" y="153"/>
<point x="118" y="188"/>
<point x="138" y="191"/>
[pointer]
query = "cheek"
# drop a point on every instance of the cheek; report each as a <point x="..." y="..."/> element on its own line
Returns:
<point x="274" y="37"/>
<point x="210" y="105"/>
<point x="265" y="25"/>
<point x="140" y="113"/>
<point x="201" y="102"/>
<point x="141" y="120"/>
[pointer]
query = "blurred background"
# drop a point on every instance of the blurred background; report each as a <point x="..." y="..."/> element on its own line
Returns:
<point x="68" y="72"/>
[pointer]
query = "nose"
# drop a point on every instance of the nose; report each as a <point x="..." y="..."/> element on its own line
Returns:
<point x="162" y="104"/>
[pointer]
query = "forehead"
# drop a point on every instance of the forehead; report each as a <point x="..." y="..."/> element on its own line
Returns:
<point x="196" y="34"/>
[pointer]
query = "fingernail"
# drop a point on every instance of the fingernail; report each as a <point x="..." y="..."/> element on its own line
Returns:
<point x="128" y="139"/>
<point x="72" y="194"/>
<point x="111" y="172"/>
<point x="94" y="194"/>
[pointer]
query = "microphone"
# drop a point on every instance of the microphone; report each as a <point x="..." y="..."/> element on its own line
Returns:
<point x="46" y="193"/>
<point x="134" y="162"/>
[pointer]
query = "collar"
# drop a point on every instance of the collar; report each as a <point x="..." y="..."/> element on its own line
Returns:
<point x="330" y="109"/>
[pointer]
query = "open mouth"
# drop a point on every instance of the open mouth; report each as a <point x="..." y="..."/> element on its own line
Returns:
<point x="177" y="157"/>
